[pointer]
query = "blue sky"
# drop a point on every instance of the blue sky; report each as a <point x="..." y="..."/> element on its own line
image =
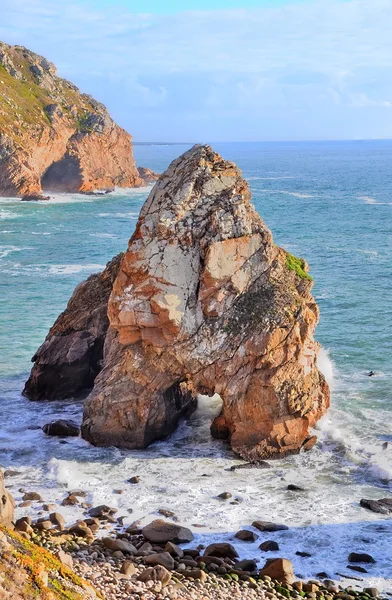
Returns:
<point x="221" y="70"/>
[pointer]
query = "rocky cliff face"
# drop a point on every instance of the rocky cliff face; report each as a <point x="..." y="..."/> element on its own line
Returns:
<point x="53" y="137"/>
<point x="204" y="302"/>
<point x="7" y="504"/>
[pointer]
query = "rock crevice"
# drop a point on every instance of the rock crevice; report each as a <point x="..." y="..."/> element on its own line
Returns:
<point x="204" y="302"/>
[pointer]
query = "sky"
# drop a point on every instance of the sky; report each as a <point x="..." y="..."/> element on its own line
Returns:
<point x="221" y="70"/>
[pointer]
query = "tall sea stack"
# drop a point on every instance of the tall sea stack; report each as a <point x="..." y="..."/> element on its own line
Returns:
<point x="203" y="302"/>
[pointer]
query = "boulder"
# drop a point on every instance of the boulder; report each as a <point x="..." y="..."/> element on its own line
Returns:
<point x="280" y="569"/>
<point x="160" y="532"/>
<point x="222" y="550"/>
<point x="269" y="546"/>
<point x="357" y="557"/>
<point x="174" y="550"/>
<point x="162" y="558"/>
<point x="62" y="428"/>
<point x="246" y="536"/>
<point x="119" y="545"/>
<point x="382" y="506"/>
<point x="32" y="496"/>
<point x="158" y="573"/>
<point x="267" y="526"/>
<point x="245" y="565"/>
<point x="102" y="511"/>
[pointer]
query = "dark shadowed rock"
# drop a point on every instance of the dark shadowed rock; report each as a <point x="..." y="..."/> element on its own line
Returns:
<point x="62" y="428"/>
<point x="358" y="557"/>
<point x="222" y="550"/>
<point x="68" y="361"/>
<point x="269" y="546"/>
<point x="382" y="506"/>
<point x="246" y="536"/>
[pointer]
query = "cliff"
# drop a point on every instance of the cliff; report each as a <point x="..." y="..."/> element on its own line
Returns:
<point x="7" y="504"/>
<point x="52" y="137"/>
<point x="204" y="303"/>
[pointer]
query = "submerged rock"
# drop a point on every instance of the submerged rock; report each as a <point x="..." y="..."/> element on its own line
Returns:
<point x="203" y="303"/>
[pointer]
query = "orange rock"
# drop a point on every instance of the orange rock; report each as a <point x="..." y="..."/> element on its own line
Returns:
<point x="205" y="303"/>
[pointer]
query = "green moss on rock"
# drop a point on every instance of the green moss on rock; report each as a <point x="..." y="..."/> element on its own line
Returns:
<point x="293" y="263"/>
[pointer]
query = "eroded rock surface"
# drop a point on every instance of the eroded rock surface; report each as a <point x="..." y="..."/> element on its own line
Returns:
<point x="52" y="136"/>
<point x="7" y="504"/>
<point x="205" y="303"/>
<point x="68" y="361"/>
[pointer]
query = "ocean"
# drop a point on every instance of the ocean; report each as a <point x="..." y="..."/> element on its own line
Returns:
<point x="329" y="202"/>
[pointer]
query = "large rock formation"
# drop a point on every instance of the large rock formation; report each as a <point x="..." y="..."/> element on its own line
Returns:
<point x="53" y="137"/>
<point x="205" y="303"/>
<point x="71" y="356"/>
<point x="7" y="504"/>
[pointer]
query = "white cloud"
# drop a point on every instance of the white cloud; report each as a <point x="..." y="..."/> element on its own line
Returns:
<point x="319" y="57"/>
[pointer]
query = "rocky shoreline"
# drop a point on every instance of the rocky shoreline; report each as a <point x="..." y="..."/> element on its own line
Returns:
<point x="146" y="563"/>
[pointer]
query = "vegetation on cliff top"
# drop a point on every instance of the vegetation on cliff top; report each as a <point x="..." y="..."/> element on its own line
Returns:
<point x="27" y="90"/>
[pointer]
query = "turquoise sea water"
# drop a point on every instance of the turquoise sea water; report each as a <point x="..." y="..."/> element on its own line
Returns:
<point x="330" y="203"/>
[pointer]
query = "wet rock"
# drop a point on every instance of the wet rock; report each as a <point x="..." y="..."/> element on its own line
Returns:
<point x="280" y="569"/>
<point x="33" y="496"/>
<point x="267" y="526"/>
<point x="382" y="506"/>
<point x="222" y="550"/>
<point x="48" y="507"/>
<point x="356" y="568"/>
<point x="245" y="565"/>
<point x="11" y="473"/>
<point x="160" y="532"/>
<point x="261" y="464"/>
<point x="269" y="546"/>
<point x="163" y="558"/>
<point x="135" y="479"/>
<point x="169" y="514"/>
<point x="158" y="573"/>
<point x="62" y="428"/>
<point x="303" y="554"/>
<point x="34" y="198"/>
<point x="121" y="545"/>
<point x="102" y="511"/>
<point x="225" y="496"/>
<point x="357" y="557"/>
<point x="246" y="536"/>
<point x="295" y="488"/>
<point x="70" y="500"/>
